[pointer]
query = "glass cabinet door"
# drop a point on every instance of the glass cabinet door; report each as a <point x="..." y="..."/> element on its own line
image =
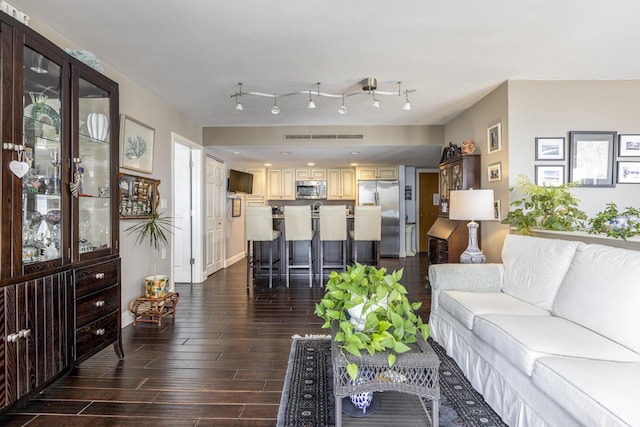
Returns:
<point x="93" y="167"/>
<point x="42" y="210"/>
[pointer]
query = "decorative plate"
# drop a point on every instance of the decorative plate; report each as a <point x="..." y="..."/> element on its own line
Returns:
<point x="48" y="116"/>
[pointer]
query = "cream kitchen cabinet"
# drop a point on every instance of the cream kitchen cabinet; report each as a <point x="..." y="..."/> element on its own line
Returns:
<point x="372" y="173"/>
<point x="281" y="184"/>
<point x="257" y="196"/>
<point x="311" y="174"/>
<point x="341" y="184"/>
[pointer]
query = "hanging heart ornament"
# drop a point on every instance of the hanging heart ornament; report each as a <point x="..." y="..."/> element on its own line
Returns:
<point x="19" y="169"/>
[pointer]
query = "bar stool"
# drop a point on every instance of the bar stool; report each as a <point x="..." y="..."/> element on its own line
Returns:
<point x="333" y="228"/>
<point x="258" y="228"/>
<point x="367" y="224"/>
<point x="297" y="228"/>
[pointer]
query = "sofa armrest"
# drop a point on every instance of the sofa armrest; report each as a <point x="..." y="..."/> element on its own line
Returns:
<point x="464" y="277"/>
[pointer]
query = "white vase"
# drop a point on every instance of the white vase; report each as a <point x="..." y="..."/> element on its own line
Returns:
<point x="98" y="126"/>
<point x="358" y="318"/>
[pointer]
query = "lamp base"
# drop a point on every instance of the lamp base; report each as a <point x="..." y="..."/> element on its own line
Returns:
<point x="473" y="254"/>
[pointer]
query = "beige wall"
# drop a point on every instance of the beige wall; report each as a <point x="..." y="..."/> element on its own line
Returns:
<point x="137" y="262"/>
<point x="473" y="124"/>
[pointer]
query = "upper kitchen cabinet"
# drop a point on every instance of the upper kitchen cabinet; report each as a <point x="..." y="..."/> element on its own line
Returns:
<point x="341" y="184"/>
<point x="311" y="174"/>
<point x="257" y="196"/>
<point x="94" y="164"/>
<point x="281" y="184"/>
<point x="372" y="173"/>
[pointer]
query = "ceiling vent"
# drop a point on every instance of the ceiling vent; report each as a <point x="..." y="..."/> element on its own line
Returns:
<point x="325" y="137"/>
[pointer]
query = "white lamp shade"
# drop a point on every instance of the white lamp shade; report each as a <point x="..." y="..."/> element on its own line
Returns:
<point x="471" y="205"/>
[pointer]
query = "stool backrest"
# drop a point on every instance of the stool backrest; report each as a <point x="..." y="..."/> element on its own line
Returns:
<point x="367" y="222"/>
<point x="297" y="223"/>
<point x="333" y="223"/>
<point x="258" y="223"/>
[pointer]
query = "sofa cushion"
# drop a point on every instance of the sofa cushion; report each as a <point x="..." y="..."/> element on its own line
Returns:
<point x="602" y="292"/>
<point x="597" y="393"/>
<point x="465" y="306"/>
<point x="534" y="267"/>
<point x="523" y="339"/>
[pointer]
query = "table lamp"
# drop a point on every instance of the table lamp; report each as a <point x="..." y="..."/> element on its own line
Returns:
<point x="471" y="205"/>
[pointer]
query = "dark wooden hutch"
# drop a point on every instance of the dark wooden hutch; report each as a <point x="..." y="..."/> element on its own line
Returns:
<point x="447" y="239"/>
<point x="59" y="260"/>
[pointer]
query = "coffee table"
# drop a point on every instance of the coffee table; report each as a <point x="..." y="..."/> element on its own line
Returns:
<point x="414" y="372"/>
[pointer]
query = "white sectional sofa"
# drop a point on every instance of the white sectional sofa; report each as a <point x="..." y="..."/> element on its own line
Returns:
<point x="550" y="337"/>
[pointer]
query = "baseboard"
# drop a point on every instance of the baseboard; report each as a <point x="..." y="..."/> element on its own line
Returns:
<point x="233" y="259"/>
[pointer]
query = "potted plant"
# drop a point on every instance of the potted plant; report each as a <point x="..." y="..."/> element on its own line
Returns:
<point x="616" y="224"/>
<point x="384" y="317"/>
<point x="154" y="230"/>
<point x="545" y="206"/>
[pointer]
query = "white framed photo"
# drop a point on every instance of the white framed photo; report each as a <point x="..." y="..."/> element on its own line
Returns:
<point x="629" y="172"/>
<point x="629" y="146"/>
<point x="550" y="148"/>
<point x="494" y="138"/>
<point x="494" y="172"/>
<point x="549" y="175"/>
<point x="136" y="145"/>
<point x="496" y="210"/>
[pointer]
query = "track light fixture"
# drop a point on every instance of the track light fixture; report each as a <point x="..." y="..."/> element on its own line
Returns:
<point x="368" y="86"/>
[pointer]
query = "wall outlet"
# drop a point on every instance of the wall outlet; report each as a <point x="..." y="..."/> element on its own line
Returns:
<point x="163" y="253"/>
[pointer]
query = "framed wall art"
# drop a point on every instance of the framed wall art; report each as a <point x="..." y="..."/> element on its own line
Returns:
<point x="496" y="210"/>
<point x="549" y="175"/>
<point x="494" y="172"/>
<point x="629" y="172"/>
<point x="494" y="138"/>
<point x="629" y="146"/>
<point x="550" y="148"/>
<point x="592" y="158"/>
<point x="136" y="145"/>
<point x="138" y="196"/>
<point x="236" y="207"/>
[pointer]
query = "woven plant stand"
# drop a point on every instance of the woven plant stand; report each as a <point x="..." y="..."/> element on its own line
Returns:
<point x="153" y="310"/>
<point x="414" y="372"/>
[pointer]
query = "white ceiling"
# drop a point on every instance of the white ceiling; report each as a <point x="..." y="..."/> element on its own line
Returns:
<point x="192" y="53"/>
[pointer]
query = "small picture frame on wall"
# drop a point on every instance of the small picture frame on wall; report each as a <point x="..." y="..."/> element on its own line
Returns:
<point x="592" y="158"/>
<point x="494" y="138"/>
<point x="549" y="175"/>
<point x="550" y="148"/>
<point x="136" y="145"/>
<point x="236" y="207"/>
<point x="494" y="172"/>
<point x="629" y="172"/>
<point x="629" y="146"/>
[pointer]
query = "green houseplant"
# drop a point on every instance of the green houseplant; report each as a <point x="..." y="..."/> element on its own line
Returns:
<point x="544" y="206"/>
<point x="387" y="319"/>
<point x="154" y="231"/>
<point x="616" y="224"/>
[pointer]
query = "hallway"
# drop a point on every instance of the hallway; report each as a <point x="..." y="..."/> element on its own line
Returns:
<point x="222" y="361"/>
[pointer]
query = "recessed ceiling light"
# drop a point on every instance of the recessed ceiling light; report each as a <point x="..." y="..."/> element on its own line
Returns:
<point x="355" y="153"/>
<point x="235" y="152"/>
<point x="285" y="153"/>
<point x="353" y="164"/>
<point x="267" y="164"/>
<point x="311" y="164"/>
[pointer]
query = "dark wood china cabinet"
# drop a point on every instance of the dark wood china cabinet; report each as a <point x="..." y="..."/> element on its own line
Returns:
<point x="447" y="239"/>
<point x="59" y="260"/>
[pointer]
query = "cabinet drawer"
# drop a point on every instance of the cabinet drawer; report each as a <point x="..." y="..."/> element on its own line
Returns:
<point x="96" y="305"/>
<point x="96" y="277"/>
<point x="98" y="334"/>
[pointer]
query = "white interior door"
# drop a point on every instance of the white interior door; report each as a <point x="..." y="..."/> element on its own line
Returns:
<point x="215" y="212"/>
<point x="182" y="215"/>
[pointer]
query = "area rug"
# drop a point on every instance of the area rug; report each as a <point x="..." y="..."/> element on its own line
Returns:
<point x="308" y="401"/>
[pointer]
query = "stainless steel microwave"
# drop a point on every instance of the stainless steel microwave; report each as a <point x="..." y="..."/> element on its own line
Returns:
<point x="311" y="189"/>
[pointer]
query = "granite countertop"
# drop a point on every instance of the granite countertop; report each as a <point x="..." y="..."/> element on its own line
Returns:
<point x="313" y="216"/>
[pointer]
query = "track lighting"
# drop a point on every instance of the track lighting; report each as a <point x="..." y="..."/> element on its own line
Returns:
<point x="342" y="109"/>
<point x="368" y="86"/>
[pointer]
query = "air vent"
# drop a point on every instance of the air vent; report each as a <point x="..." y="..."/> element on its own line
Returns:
<point x="322" y="137"/>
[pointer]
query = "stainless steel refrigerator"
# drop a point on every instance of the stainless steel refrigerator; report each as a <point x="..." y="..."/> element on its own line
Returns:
<point x="387" y="195"/>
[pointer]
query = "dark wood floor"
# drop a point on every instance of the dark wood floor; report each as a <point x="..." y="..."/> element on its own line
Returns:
<point x="221" y="362"/>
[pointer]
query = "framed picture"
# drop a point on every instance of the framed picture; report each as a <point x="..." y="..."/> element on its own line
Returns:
<point x="236" y="207"/>
<point x="629" y="172"/>
<point x="550" y="148"/>
<point x="496" y="210"/>
<point x="136" y="145"/>
<point x="592" y="158"/>
<point x="494" y="172"/>
<point x="494" y="138"/>
<point x="138" y="196"/>
<point x="629" y="146"/>
<point x="551" y="176"/>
